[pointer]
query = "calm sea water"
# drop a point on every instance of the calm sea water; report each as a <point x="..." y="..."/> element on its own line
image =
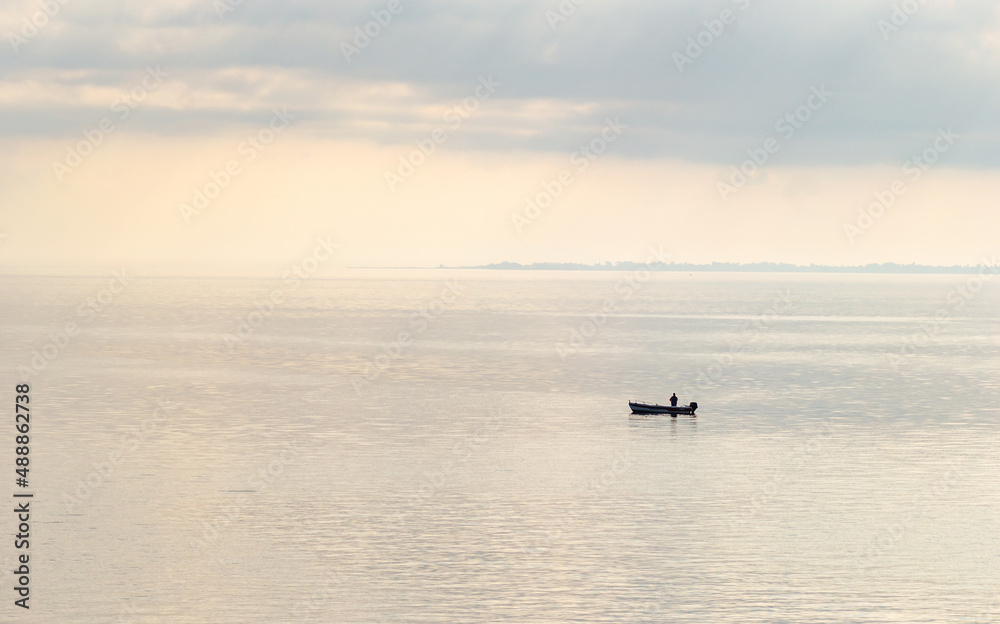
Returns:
<point x="485" y="468"/>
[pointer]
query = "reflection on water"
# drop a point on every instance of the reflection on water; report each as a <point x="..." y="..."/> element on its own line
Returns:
<point x="482" y="477"/>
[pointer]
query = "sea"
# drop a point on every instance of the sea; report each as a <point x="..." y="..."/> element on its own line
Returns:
<point x="440" y="446"/>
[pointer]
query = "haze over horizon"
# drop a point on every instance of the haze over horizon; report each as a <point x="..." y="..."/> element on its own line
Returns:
<point x="187" y="136"/>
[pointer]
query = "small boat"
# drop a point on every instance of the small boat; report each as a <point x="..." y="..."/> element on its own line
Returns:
<point x="673" y="410"/>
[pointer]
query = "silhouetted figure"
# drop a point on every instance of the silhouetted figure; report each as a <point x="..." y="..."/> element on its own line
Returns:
<point x="673" y="400"/>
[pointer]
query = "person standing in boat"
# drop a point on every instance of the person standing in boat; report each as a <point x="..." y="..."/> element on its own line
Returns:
<point x="673" y="400"/>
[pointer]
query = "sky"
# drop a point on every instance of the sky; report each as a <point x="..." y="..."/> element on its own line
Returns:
<point x="223" y="135"/>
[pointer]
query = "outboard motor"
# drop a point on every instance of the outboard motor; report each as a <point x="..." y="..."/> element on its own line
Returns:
<point x="693" y="406"/>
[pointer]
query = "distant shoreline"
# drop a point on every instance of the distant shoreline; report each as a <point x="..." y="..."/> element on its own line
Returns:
<point x="730" y="267"/>
<point x="887" y="268"/>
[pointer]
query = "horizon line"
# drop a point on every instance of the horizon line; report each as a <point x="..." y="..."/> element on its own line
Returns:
<point x="750" y="267"/>
<point x="713" y="267"/>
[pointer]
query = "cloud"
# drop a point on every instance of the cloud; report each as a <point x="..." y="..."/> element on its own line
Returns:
<point x="939" y="69"/>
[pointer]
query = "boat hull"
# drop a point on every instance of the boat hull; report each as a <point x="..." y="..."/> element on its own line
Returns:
<point x="646" y="408"/>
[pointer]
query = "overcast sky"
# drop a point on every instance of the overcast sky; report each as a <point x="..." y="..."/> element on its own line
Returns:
<point x="625" y="123"/>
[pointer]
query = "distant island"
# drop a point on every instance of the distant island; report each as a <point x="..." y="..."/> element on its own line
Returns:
<point x="736" y="267"/>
